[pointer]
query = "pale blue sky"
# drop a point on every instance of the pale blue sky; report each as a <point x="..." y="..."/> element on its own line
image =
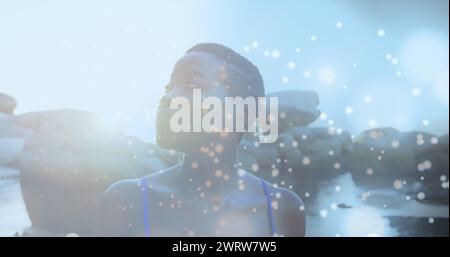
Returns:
<point x="114" y="57"/>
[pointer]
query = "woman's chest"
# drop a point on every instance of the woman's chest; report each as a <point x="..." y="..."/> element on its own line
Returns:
<point x="198" y="220"/>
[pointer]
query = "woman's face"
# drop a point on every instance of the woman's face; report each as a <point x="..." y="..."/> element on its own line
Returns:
<point x="195" y="70"/>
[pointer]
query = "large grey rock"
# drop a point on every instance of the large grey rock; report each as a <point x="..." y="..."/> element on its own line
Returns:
<point x="381" y="156"/>
<point x="432" y="164"/>
<point x="296" y="108"/>
<point x="323" y="147"/>
<point x="304" y="158"/>
<point x="7" y="104"/>
<point x="386" y="158"/>
<point x="388" y="138"/>
<point x="313" y="156"/>
<point x="68" y="163"/>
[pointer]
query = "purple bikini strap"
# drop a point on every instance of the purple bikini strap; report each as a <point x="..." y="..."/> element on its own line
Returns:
<point x="269" y="206"/>
<point x="145" y="207"/>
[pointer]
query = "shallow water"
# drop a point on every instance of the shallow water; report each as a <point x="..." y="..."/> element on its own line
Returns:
<point x="369" y="217"/>
<point x="326" y="215"/>
<point x="13" y="214"/>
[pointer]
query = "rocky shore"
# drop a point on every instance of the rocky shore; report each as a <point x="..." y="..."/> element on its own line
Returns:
<point x="64" y="160"/>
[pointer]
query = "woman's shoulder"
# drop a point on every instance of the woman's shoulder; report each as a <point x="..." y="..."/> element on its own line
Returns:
<point x="128" y="187"/>
<point x="288" y="208"/>
<point x="283" y="195"/>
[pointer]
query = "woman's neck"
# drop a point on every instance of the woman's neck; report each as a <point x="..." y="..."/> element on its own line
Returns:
<point x="211" y="170"/>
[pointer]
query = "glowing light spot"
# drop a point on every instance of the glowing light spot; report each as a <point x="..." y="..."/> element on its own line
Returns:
<point x="421" y="196"/>
<point x="415" y="91"/>
<point x="434" y="140"/>
<point x="291" y="65"/>
<point x="348" y="110"/>
<point x="427" y="164"/>
<point x="307" y="74"/>
<point x="275" y="172"/>
<point x="274" y="205"/>
<point x="398" y="184"/>
<point x="327" y="75"/>
<point x="306" y="160"/>
<point x="372" y="123"/>
<point x="219" y="148"/>
<point x="395" y="143"/>
<point x="275" y="53"/>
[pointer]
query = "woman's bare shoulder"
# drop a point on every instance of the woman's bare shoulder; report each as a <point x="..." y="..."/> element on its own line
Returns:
<point x="288" y="209"/>
<point x="129" y="187"/>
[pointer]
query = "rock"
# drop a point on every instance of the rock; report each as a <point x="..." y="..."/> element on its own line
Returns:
<point x="381" y="156"/>
<point x="7" y="104"/>
<point x="432" y="164"/>
<point x="68" y="163"/>
<point x="304" y="158"/>
<point x="419" y="226"/>
<point x="296" y="108"/>
<point x="314" y="148"/>
<point x="388" y="139"/>
<point x="385" y="159"/>
<point x="314" y="157"/>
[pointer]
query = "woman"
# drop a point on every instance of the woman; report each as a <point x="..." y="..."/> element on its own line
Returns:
<point x="207" y="194"/>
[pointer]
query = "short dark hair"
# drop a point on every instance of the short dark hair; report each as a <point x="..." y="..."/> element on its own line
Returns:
<point x="249" y="74"/>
